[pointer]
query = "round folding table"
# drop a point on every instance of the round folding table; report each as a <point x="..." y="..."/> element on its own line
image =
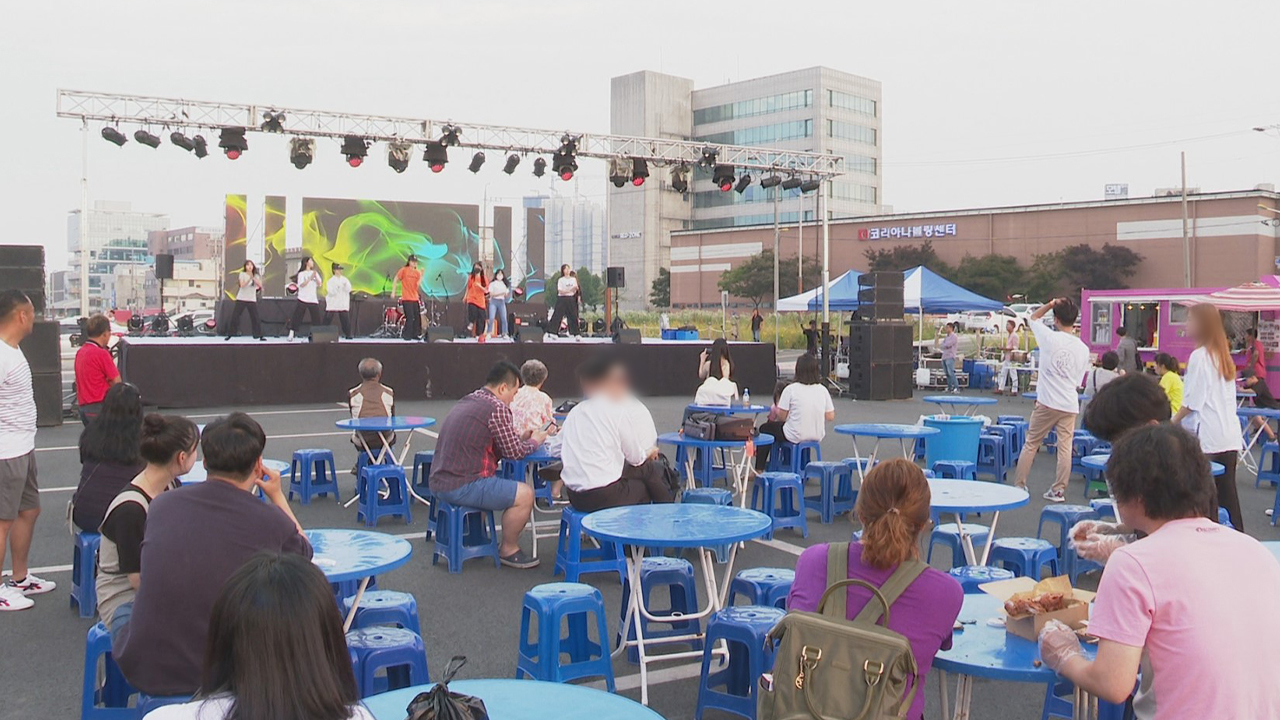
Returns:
<point x="1274" y="547"/>
<point x="346" y="555"/>
<point x="741" y="467"/>
<point x="681" y="526"/>
<point x="966" y="496"/>
<point x="729" y="409"/>
<point x="199" y="474"/>
<point x="386" y="428"/>
<point x="883" y="431"/>
<point x="1248" y="413"/>
<point x="519" y="471"/>
<point x="1099" y="462"/>
<point x="522" y="700"/>
<point x="969" y="402"/>
<point x="1036" y="396"/>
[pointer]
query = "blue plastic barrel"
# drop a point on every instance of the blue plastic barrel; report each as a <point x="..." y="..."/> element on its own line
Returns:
<point x="957" y="439"/>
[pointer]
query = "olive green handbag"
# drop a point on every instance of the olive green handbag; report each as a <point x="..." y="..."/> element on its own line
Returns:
<point x="827" y="667"/>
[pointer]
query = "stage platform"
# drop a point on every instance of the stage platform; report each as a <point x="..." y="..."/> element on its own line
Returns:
<point x="175" y="372"/>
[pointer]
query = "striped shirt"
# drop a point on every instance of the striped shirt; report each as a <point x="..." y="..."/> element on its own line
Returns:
<point x="17" y="404"/>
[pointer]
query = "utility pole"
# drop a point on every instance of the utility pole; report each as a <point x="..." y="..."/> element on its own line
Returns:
<point x="800" y="246"/>
<point x="84" y="219"/>
<point x="776" y="320"/>
<point x="1186" y="236"/>
<point x="826" y="283"/>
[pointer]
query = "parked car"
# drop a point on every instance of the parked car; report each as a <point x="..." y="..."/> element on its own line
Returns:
<point x="984" y="321"/>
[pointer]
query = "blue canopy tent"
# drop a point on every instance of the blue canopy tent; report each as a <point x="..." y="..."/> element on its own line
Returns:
<point x="925" y="291"/>
<point x="843" y="296"/>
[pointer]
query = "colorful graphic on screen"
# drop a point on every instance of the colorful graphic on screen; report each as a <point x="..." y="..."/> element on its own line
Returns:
<point x="234" y="239"/>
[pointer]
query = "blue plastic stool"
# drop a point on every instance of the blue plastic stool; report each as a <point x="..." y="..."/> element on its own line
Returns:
<point x="1024" y="556"/>
<point x="762" y="586"/>
<point x="84" y="564"/>
<point x="780" y="495"/>
<point x="1058" y="706"/>
<point x="1105" y="507"/>
<point x="349" y="588"/>
<point x="793" y="457"/>
<point x="710" y="496"/>
<point x="147" y="703"/>
<point x="993" y="457"/>
<point x="956" y="469"/>
<point x="971" y="576"/>
<point x="1269" y="464"/>
<point x="556" y="605"/>
<point x="835" y="489"/>
<point x="1224" y="518"/>
<point x="734" y="689"/>
<point x="109" y="701"/>
<point x="387" y="658"/>
<point x="313" y="472"/>
<point x="384" y="608"/>
<point x="1064" y="516"/>
<point x="373" y="506"/>
<point x="865" y="463"/>
<point x="1082" y="446"/>
<point x="421" y="484"/>
<point x="463" y="533"/>
<point x="948" y="534"/>
<point x="573" y="561"/>
<point x="676" y="575"/>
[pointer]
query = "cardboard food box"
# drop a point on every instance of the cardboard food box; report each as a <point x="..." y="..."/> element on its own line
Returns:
<point x="1074" y="614"/>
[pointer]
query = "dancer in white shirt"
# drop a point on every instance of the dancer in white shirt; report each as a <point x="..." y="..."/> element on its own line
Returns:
<point x="337" y="300"/>
<point x="308" y="281"/>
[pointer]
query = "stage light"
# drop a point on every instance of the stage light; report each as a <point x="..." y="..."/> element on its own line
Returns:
<point x="512" y="161"/>
<point x="272" y="121"/>
<point x="771" y="181"/>
<point x="809" y="186"/>
<point x="564" y="164"/>
<point x="113" y="135"/>
<point x="181" y="141"/>
<point x="476" y="161"/>
<point x="619" y="171"/>
<point x="233" y="142"/>
<point x="355" y="148"/>
<point x="539" y="167"/>
<point x="709" y="156"/>
<point x="201" y="147"/>
<point x="398" y="155"/>
<point x="436" y="156"/>
<point x="744" y="182"/>
<point x="723" y="177"/>
<point x="791" y="183"/>
<point x="639" y="171"/>
<point x="302" y="151"/>
<point x="680" y="178"/>
<point x="449" y="135"/>
<point x="147" y="139"/>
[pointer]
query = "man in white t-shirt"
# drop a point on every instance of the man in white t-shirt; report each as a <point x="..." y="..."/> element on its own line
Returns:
<point x="1064" y="358"/>
<point x="19" y="493"/>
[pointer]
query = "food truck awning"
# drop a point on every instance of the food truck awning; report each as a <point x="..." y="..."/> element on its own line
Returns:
<point x="1249" y="297"/>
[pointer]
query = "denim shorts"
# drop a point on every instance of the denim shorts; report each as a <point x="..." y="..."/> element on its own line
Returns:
<point x="119" y="619"/>
<point x="488" y="493"/>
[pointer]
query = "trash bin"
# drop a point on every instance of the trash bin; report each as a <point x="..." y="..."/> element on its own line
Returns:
<point x="957" y="439"/>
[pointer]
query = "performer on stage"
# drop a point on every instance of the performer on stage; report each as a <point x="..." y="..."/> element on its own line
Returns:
<point x="498" y="292"/>
<point x="477" y="310"/>
<point x="409" y="278"/>
<point x="308" y="281"/>
<point x="250" y="282"/>
<point x="337" y="300"/>
<point x="566" y="301"/>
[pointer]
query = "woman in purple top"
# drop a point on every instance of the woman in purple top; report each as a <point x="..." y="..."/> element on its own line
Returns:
<point x="893" y="507"/>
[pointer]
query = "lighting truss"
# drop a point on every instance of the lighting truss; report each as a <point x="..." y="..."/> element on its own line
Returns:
<point x="179" y="113"/>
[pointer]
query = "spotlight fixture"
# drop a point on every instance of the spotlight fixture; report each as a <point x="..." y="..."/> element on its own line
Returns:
<point x="723" y="177"/>
<point x="272" y="121"/>
<point x="810" y="185"/>
<point x="709" y="156"/>
<point x="355" y="148"/>
<point x="680" y="178"/>
<point x="791" y="183"/>
<point x="201" y="146"/>
<point x="770" y="181"/>
<point x="436" y="156"/>
<point x="113" y="135"/>
<point x="232" y="142"/>
<point x="476" y="161"/>
<point x="302" y="151"/>
<point x="639" y="171"/>
<point x="512" y="161"/>
<point x="619" y="171"/>
<point x="744" y="182"/>
<point x="181" y="141"/>
<point x="539" y="167"/>
<point x="449" y="135"/>
<point x="563" y="163"/>
<point x="569" y="143"/>
<point x="398" y="155"/>
<point x="147" y="139"/>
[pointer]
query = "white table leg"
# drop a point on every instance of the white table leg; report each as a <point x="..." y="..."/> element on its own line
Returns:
<point x="942" y="690"/>
<point x="1246" y="455"/>
<point x="991" y="536"/>
<point x="351" y="615"/>
<point x="966" y="542"/>
<point x="964" y="697"/>
<point x="381" y="459"/>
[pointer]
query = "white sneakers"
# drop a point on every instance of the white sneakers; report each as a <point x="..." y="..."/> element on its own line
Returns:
<point x="33" y="585"/>
<point x="16" y="596"/>
<point x="1055" y="496"/>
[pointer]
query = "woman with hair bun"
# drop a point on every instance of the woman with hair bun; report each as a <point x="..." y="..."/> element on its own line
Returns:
<point x="893" y="508"/>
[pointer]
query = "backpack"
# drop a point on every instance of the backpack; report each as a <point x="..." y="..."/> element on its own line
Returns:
<point x="827" y="667"/>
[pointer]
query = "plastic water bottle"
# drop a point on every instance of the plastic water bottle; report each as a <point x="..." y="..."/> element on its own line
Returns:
<point x="746" y="397"/>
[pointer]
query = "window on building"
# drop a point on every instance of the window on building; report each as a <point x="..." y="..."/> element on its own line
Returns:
<point x="851" y="131"/>
<point x="860" y="164"/>
<point x="756" y="106"/>
<point x="762" y="135"/>
<point x="851" y="191"/>
<point x="845" y="101"/>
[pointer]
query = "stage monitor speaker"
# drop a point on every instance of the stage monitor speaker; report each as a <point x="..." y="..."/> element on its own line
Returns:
<point x="47" y="388"/>
<point x="531" y="334"/>
<point x="164" y="266"/>
<point x="43" y="348"/>
<point x="324" y="333"/>
<point x="880" y="381"/>
<point x="37" y="301"/>
<point x="615" y="277"/>
<point x="440" y="334"/>
<point x="881" y="279"/>
<point x="22" y="278"/>
<point x="627" y="336"/>
<point x="22" y="256"/>
<point x="880" y="303"/>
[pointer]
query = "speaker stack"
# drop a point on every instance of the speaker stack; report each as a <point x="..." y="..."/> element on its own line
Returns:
<point x="879" y="340"/>
<point x="22" y="267"/>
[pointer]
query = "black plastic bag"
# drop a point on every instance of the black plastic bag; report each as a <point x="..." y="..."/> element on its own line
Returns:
<point x="440" y="704"/>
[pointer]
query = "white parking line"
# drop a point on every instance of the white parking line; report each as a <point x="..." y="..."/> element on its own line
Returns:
<point x="269" y="437"/>
<point x="275" y="412"/>
<point x="68" y="488"/>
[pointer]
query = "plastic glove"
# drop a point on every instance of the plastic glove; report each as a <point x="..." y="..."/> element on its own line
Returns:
<point x="1098" y="548"/>
<point x="1085" y="528"/>
<point x="1058" y="644"/>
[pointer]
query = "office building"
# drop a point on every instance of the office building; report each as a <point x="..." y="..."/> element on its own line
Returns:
<point x="117" y="235"/>
<point x="194" y="286"/>
<point x="188" y="243"/>
<point x="817" y="109"/>
<point x="574" y="232"/>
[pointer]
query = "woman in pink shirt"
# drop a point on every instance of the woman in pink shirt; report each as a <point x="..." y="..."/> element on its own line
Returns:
<point x="1197" y="596"/>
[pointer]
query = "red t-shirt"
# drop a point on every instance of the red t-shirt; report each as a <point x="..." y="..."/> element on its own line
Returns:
<point x="94" y="372"/>
<point x="409" y="279"/>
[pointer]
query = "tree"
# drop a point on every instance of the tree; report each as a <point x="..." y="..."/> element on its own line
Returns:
<point x="787" y="276"/>
<point x="592" y="288"/>
<point x="995" y="276"/>
<point x="752" y="279"/>
<point x="1073" y="268"/>
<point x="660" y="292"/>
<point x="905" y="257"/>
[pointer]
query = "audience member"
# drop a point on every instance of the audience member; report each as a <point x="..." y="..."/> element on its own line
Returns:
<point x="371" y="399"/>
<point x="475" y="435"/>
<point x="276" y="650"/>
<point x="1207" y="624"/>
<point x="804" y="409"/>
<point x="95" y="370"/>
<point x="108" y="456"/>
<point x="19" y="490"/>
<point x="168" y="444"/>
<point x="1128" y="402"/>
<point x="715" y="367"/>
<point x="893" y="508"/>
<point x="196" y="537"/>
<point x="249" y="284"/>
<point x="1102" y="373"/>
<point x="337" y="300"/>
<point x="1262" y="398"/>
<point x="950" y="343"/>
<point x="1209" y="402"/>
<point x="1008" y="380"/>
<point x="1255" y="353"/>
<point x="776" y="413"/>
<point x="610" y="444"/>
<point x="1063" y="361"/>
<point x="1167" y="367"/>
<point x="1127" y="352"/>
<point x="532" y="409"/>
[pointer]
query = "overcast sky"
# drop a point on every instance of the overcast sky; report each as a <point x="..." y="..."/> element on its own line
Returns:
<point x="985" y="103"/>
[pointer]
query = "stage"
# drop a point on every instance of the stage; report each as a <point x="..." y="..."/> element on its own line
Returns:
<point x="183" y="372"/>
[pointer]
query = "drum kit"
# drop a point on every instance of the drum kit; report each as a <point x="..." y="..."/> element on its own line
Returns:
<point x="392" y="323"/>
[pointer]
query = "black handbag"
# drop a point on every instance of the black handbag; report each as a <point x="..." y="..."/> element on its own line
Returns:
<point x="700" y="426"/>
<point x="439" y="703"/>
<point x="730" y="427"/>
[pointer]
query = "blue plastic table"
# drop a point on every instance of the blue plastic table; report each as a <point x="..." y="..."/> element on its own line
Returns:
<point x="346" y="555"/>
<point x="522" y="700"/>
<point x="520" y="472"/>
<point x="386" y="427"/>
<point x="966" y="496"/>
<point x="729" y="409"/>
<point x="981" y="650"/>
<point x="741" y="468"/>
<point x="882" y="431"/>
<point x="674" y="525"/>
<point x="1099" y="462"/>
<point x="1248" y="413"/>
<point x="970" y="402"/>
<point x="1036" y="396"/>
<point x="199" y="474"/>
<point x="1274" y="547"/>
<point x="1242" y="396"/>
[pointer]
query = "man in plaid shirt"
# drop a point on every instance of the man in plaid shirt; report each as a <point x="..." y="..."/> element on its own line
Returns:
<point x="476" y="434"/>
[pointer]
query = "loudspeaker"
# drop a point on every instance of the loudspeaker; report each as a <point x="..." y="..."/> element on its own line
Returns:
<point x="530" y="334"/>
<point x="881" y="279"/>
<point x="879" y="342"/>
<point x="22" y="256"/>
<point x="440" y="334"/>
<point x="37" y="300"/>
<point x="47" y="387"/>
<point x="615" y="277"/>
<point x="880" y="381"/>
<point x="324" y="333"/>
<point x="164" y="266"/>
<point x="22" y="278"/>
<point x="627" y="336"/>
<point x="880" y="303"/>
<point x="43" y="349"/>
